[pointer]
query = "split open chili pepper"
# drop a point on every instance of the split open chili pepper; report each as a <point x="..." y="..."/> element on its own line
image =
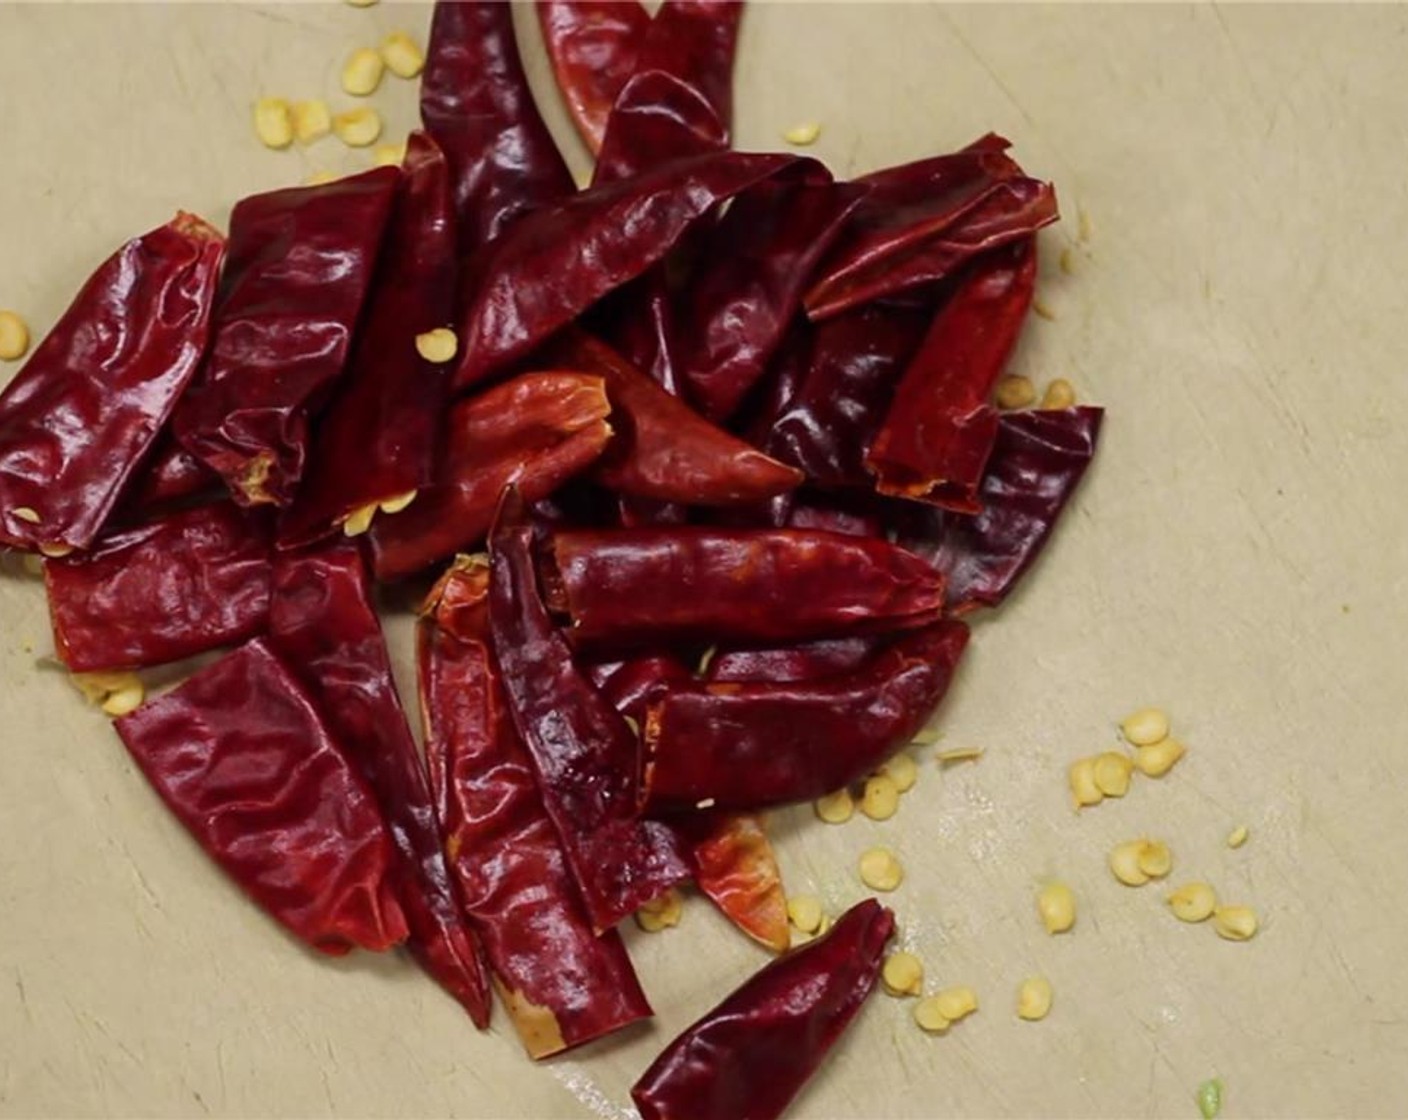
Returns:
<point x="736" y="868"/>
<point x="323" y="625"/>
<point x="563" y="984"/>
<point x="587" y="759"/>
<point x="748" y="745"/>
<point x="593" y="46"/>
<point x="300" y="265"/>
<point x="940" y="428"/>
<point x="241" y="755"/>
<point x="536" y="431"/>
<point x="748" y="1057"/>
<point x="183" y="584"/>
<point x="78" y="420"/>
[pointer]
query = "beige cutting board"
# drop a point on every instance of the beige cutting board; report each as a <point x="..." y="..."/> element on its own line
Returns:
<point x="1237" y="300"/>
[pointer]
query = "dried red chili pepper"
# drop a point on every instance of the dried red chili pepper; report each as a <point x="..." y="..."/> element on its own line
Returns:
<point x="748" y="1057"/>
<point x="734" y="865"/>
<point x="750" y="745"/>
<point x="178" y="586"/>
<point x="475" y="102"/>
<point x="170" y="474"/>
<point x="78" y="420"/>
<point x="593" y="46"/>
<point x="630" y="686"/>
<point x="636" y="586"/>
<point x="299" y="267"/>
<point x="939" y="430"/>
<point x="587" y="760"/>
<point x="535" y="431"/>
<point x="322" y="623"/>
<point x="806" y="661"/>
<point x="241" y="756"/>
<point x="379" y="439"/>
<point x="562" y="983"/>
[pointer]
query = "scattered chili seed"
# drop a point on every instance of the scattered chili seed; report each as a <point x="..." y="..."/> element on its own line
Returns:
<point x="361" y="3"/>
<point x="55" y="551"/>
<point x="956" y="1003"/>
<point x="881" y="797"/>
<point x="835" y="808"/>
<point x="359" y="520"/>
<point x="1084" y="789"/>
<point x="399" y="502"/>
<point x="880" y="870"/>
<point x="24" y="513"/>
<point x="803" y="134"/>
<point x="311" y="120"/>
<point x="1112" y="772"/>
<point x="1145" y="727"/>
<point x="403" y="57"/>
<point x="362" y="72"/>
<point x="661" y="913"/>
<point x="388" y="155"/>
<point x="1059" y="394"/>
<point x="1157" y="760"/>
<point x="902" y="771"/>
<point x="902" y="974"/>
<point x="318" y="178"/>
<point x="1068" y="261"/>
<point x="959" y="754"/>
<point x="1193" y="902"/>
<point x="929" y="1017"/>
<point x="358" y="128"/>
<point x="1235" y="923"/>
<point x="1155" y="859"/>
<point x="1237" y="837"/>
<point x="1056" y="903"/>
<point x="1014" y="391"/>
<point x="1124" y="863"/>
<point x="437" y="346"/>
<point x="1042" y="310"/>
<point x="273" y="122"/>
<point x="14" y="336"/>
<point x="804" y="911"/>
<point x="1034" y="998"/>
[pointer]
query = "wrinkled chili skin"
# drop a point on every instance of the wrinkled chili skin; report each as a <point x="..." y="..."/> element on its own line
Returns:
<point x="940" y="429"/>
<point x="587" y="759"/>
<point x="736" y="869"/>
<point x="300" y="266"/>
<point x="593" y="46"/>
<point x="630" y="587"/>
<point x="323" y="626"/>
<point x="536" y="431"/>
<point x="77" y="422"/>
<point x="806" y="661"/>
<point x="630" y="686"/>
<point x="189" y="582"/>
<point x="242" y="757"/>
<point x="563" y="984"/>
<point x="748" y="1057"/>
<point x="751" y="745"/>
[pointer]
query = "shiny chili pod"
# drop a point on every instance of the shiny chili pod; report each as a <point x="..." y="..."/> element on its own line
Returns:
<point x="323" y="625"/>
<point x="300" y="266"/>
<point x="241" y="755"/>
<point x="751" y="745"/>
<point x="593" y="46"/>
<point x="77" y="422"/>
<point x="806" y="661"/>
<point x="736" y="869"/>
<point x="186" y="583"/>
<point x="170" y="474"/>
<point x="748" y="1057"/>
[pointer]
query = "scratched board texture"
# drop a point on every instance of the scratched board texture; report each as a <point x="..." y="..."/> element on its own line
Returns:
<point x="1234" y="193"/>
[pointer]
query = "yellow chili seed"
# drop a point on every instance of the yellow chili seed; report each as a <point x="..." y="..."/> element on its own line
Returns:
<point x="902" y="974"/>
<point x="361" y="3"/>
<point x="1193" y="902"/>
<point x="399" y="502"/>
<point x="803" y="134"/>
<point x="24" y="513"/>
<point x="14" y="336"/>
<point x="1235" y="923"/>
<point x="1155" y="859"/>
<point x="1042" y="310"/>
<point x="929" y="1017"/>
<point x="273" y="122"/>
<point x="55" y="550"/>
<point x="318" y="178"/>
<point x="1112" y="771"/>
<point x="1237" y="837"/>
<point x="835" y="808"/>
<point x="1145" y="727"/>
<point x="959" y="754"/>
<point x="388" y="155"/>
<point x="804" y="911"/>
<point x="956" y="1003"/>
<point x="125" y="700"/>
<point x="1124" y="863"/>
<point x="311" y="120"/>
<point x="1059" y="394"/>
<point x="1158" y="759"/>
<point x="661" y="913"/>
<point x="359" y="520"/>
<point x="901" y="770"/>
<point x="98" y="686"/>
<point x="1056" y="903"/>
<point x="881" y="797"/>
<point x="1081" y="776"/>
<point x="362" y="72"/>
<point x="402" y="55"/>
<point x="1014" y="391"/>
<point x="1034" y="998"/>
<point x="358" y="128"/>
<point x="438" y="346"/>
<point x="880" y="870"/>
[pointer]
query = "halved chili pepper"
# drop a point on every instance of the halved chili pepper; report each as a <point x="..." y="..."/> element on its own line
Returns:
<point x="242" y="757"/>
<point x="748" y="1057"/>
<point x="562" y="983"/>
<point x="750" y="745"/>
<point x="535" y="431"/>
<point x="299" y="268"/>
<point x="587" y="759"/>
<point x="78" y="420"/>
<point x="734" y="865"/>
<point x="593" y="46"/>
<point x="322" y="623"/>
<point x="178" y="586"/>
<point x="940" y="429"/>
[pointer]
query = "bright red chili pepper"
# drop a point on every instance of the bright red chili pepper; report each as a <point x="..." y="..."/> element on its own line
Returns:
<point x="748" y="1057"/>
<point x="593" y="46"/>
<point x="78" y="420"/>
<point x="241" y="755"/>
<point x="734" y="865"/>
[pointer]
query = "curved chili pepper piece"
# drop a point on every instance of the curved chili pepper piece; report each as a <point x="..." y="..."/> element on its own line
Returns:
<point x="807" y="661"/>
<point x="750" y="745"/>
<point x="734" y="865"/>
<point x="587" y="759"/>
<point x="78" y="420"/>
<point x="322" y="623"/>
<point x="593" y="46"/>
<point x="241" y="756"/>
<point x="748" y="1057"/>
<point x="300" y="265"/>
<point x="940" y="428"/>
<point x="535" y="431"/>
<point x="175" y="587"/>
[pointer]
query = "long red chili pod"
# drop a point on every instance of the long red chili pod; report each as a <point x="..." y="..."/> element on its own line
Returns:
<point x="378" y="441"/>
<point x="939" y="430"/>
<point x="175" y="587"/>
<point x="78" y="420"/>
<point x="535" y="432"/>
<point x="475" y="102"/>
<point x="563" y="984"/>
<point x="638" y="586"/>
<point x="322" y="623"/>
<point x="241" y="755"/>
<point x="299" y="269"/>
<point x="587" y="759"/>
<point x="751" y="745"/>
<point x="748" y="1057"/>
<point x="736" y="868"/>
<point x="592" y="45"/>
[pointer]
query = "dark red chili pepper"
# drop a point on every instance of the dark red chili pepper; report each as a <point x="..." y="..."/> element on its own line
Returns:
<point x="630" y="686"/>
<point x="379" y="439"/>
<point x="322" y="623"/>
<point x="750" y="745"/>
<point x="735" y="867"/>
<point x="587" y="759"/>
<point x="748" y="1057"/>
<point x="78" y="420"/>
<point x="635" y="586"/>
<point x="178" y="586"/>
<point x="300" y="265"/>
<point x="170" y="474"/>
<point x="475" y="102"/>
<point x="562" y="983"/>
<point x="593" y="46"/>
<point x="835" y="515"/>
<point x="806" y="661"/>
<point x="535" y="431"/>
<point x="241" y="755"/>
<point x="940" y="428"/>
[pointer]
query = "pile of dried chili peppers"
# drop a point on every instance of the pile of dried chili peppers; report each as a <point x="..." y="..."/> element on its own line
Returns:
<point x="714" y="401"/>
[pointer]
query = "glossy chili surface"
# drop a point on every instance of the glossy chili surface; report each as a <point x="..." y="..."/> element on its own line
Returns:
<point x="593" y="46"/>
